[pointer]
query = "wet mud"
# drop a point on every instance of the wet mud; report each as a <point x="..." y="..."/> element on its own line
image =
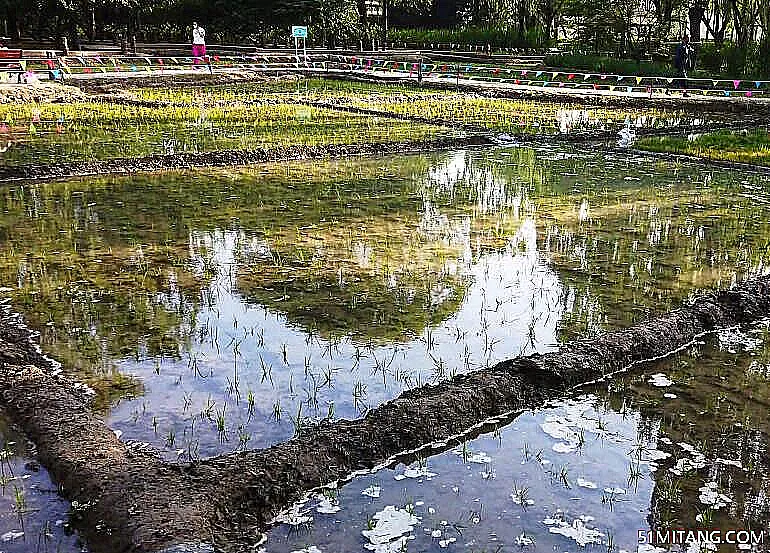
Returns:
<point x="131" y="500"/>
<point x="223" y="158"/>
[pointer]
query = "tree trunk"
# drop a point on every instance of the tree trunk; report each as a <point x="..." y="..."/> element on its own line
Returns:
<point x="695" y="15"/>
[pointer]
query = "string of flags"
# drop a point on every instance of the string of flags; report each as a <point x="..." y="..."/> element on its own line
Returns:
<point x="61" y="68"/>
<point x="561" y="79"/>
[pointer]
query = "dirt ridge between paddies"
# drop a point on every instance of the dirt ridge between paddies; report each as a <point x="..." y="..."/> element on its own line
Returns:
<point x="129" y="499"/>
<point x="228" y="158"/>
<point x="694" y="103"/>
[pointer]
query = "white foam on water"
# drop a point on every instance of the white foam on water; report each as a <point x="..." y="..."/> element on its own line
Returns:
<point x="328" y="506"/>
<point x="577" y="531"/>
<point x="710" y="495"/>
<point x="294" y="516"/>
<point x="419" y="472"/>
<point x="583" y="483"/>
<point x="730" y="462"/>
<point x="660" y="380"/>
<point x="372" y="491"/>
<point x="648" y="548"/>
<point x="562" y="447"/>
<point x="392" y="525"/>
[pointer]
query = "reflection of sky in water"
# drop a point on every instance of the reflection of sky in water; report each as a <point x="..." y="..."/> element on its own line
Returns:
<point x="513" y="306"/>
<point x="251" y="367"/>
<point x="506" y="487"/>
<point x="32" y="515"/>
<point x="581" y="474"/>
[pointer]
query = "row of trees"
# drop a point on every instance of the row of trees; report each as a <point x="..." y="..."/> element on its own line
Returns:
<point x="603" y="25"/>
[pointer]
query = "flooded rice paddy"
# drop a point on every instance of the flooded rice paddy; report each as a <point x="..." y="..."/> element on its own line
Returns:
<point x="32" y="515"/>
<point x="167" y="121"/>
<point x="227" y="309"/>
<point x="496" y="114"/>
<point x="93" y="131"/>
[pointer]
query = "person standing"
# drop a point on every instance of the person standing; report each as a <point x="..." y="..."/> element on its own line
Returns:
<point x="198" y="42"/>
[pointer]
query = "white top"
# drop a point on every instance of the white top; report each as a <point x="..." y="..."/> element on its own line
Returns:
<point x="199" y="35"/>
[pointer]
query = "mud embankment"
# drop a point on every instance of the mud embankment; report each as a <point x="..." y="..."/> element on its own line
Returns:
<point x="39" y="93"/>
<point x="230" y="158"/>
<point x="133" y="501"/>
<point x="693" y="103"/>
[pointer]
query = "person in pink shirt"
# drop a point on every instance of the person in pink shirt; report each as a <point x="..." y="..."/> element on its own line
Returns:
<point x="198" y="42"/>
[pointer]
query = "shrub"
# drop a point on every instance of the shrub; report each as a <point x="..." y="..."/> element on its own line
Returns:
<point x="606" y="64"/>
<point x="487" y="36"/>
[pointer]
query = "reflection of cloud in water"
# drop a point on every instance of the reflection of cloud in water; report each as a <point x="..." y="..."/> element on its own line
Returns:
<point x="491" y="191"/>
<point x="513" y="304"/>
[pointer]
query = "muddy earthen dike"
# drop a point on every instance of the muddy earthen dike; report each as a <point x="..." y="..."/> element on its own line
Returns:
<point x="134" y="501"/>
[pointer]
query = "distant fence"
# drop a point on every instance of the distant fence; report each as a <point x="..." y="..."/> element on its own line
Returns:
<point x="522" y="71"/>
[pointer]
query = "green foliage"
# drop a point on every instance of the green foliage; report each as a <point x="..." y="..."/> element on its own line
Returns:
<point x="483" y="36"/>
<point x="732" y="60"/>
<point x="609" y="65"/>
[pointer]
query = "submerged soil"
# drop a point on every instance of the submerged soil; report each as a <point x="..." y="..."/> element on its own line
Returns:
<point x="131" y="500"/>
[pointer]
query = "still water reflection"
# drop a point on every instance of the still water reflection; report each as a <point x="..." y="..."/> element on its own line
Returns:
<point x="217" y="310"/>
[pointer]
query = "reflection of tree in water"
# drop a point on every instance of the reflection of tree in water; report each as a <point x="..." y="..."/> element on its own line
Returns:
<point x="379" y="249"/>
<point x="716" y="431"/>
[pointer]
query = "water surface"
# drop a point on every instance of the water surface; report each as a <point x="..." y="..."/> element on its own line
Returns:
<point x="224" y="309"/>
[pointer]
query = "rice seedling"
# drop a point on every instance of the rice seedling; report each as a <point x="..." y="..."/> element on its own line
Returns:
<point x="170" y="438"/>
<point x="330" y="412"/>
<point x="610" y="542"/>
<point x="360" y="396"/>
<point x="635" y="474"/>
<point x="520" y="496"/>
<point x="106" y="130"/>
<point x="706" y="517"/>
<point x="244" y="437"/>
<point x="298" y="422"/>
<point x="20" y="504"/>
<point x="221" y="424"/>
<point x="250" y="400"/>
<point x="526" y="452"/>
<point x="267" y="371"/>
